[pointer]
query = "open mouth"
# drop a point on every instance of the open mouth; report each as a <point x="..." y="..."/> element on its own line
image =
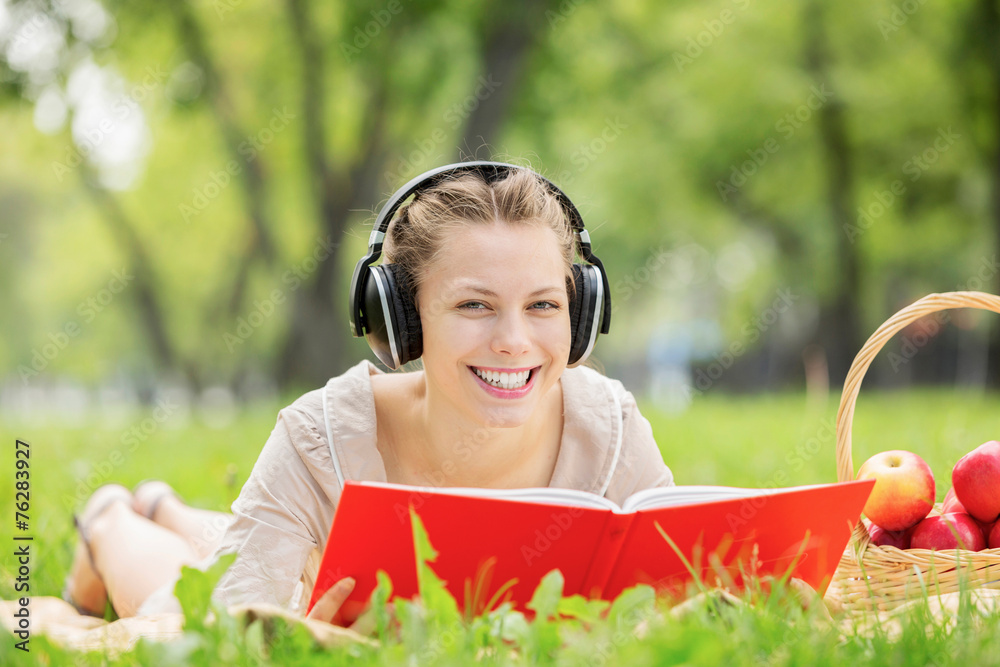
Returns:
<point x="504" y="379"/>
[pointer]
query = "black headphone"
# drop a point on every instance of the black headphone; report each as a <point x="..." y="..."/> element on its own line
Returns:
<point x="382" y="305"/>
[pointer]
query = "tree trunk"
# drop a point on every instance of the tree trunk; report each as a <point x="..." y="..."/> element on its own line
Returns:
<point x="318" y="345"/>
<point x="839" y="331"/>
<point x="505" y="50"/>
<point x="989" y="24"/>
<point x="144" y="291"/>
<point x="257" y="242"/>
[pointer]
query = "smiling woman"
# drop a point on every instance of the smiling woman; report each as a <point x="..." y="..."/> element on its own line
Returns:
<point x="494" y="322"/>
<point x="480" y="284"/>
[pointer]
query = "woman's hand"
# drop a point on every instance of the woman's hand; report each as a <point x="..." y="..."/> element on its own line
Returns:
<point x="329" y="604"/>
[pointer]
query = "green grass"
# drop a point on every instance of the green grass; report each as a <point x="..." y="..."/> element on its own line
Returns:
<point x="780" y="440"/>
<point x="741" y="441"/>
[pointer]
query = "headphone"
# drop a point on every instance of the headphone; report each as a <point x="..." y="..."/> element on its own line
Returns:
<point x="383" y="309"/>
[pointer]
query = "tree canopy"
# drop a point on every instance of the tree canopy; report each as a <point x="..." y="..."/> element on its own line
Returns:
<point x="185" y="186"/>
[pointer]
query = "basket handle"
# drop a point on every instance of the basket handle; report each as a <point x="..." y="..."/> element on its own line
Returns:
<point x="931" y="303"/>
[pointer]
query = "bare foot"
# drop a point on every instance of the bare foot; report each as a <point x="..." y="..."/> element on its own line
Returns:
<point x="148" y="495"/>
<point x="84" y="587"/>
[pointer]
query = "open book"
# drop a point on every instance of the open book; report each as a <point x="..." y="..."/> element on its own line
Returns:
<point x="505" y="541"/>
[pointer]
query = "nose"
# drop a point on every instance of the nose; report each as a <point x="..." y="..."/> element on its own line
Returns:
<point x="511" y="335"/>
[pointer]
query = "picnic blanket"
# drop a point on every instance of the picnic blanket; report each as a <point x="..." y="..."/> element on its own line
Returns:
<point x="62" y="624"/>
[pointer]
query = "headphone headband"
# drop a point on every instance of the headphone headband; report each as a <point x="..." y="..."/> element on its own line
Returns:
<point x="490" y="171"/>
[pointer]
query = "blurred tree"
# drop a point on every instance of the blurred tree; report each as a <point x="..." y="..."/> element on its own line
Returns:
<point x="839" y="332"/>
<point x="385" y="56"/>
<point x="977" y="64"/>
<point x="722" y="154"/>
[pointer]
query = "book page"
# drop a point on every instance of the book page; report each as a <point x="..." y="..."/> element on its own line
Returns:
<point x="545" y="495"/>
<point x="671" y="496"/>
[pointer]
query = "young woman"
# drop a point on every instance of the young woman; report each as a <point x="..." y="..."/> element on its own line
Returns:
<point x="484" y="290"/>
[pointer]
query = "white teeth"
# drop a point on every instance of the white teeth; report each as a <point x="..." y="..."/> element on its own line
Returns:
<point x="504" y="380"/>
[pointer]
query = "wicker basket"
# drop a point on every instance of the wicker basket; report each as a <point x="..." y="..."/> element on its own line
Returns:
<point x="882" y="578"/>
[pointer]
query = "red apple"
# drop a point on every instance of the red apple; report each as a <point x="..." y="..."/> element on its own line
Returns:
<point x="976" y="480"/>
<point x="952" y="504"/>
<point x="903" y="492"/>
<point x="993" y="537"/>
<point x="948" y="531"/>
<point x="888" y="538"/>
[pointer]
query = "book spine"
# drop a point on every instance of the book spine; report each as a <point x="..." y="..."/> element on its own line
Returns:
<point x="615" y="531"/>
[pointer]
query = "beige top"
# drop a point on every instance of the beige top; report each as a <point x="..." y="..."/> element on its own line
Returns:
<point x="284" y="512"/>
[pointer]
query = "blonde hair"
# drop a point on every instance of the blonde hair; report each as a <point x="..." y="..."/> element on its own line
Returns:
<point x="416" y="234"/>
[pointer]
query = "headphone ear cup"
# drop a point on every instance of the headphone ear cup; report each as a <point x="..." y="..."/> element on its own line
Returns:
<point x="391" y="321"/>
<point x="409" y="335"/>
<point x="581" y="313"/>
<point x="379" y="326"/>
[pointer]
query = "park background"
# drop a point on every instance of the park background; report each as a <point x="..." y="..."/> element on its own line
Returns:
<point x="185" y="188"/>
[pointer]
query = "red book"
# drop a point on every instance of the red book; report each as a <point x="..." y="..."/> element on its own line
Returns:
<point x="505" y="541"/>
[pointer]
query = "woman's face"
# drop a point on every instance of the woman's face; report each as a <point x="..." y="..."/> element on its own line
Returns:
<point x="495" y="317"/>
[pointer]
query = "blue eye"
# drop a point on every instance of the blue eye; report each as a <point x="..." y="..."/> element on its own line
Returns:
<point x="479" y="306"/>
